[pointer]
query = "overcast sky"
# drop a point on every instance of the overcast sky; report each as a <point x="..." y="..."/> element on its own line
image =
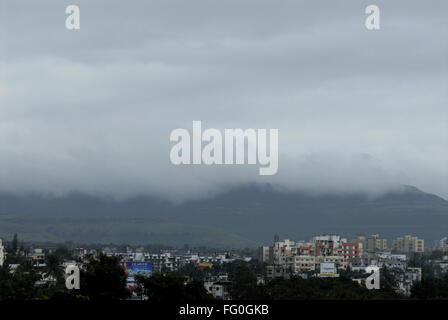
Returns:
<point x="92" y="110"/>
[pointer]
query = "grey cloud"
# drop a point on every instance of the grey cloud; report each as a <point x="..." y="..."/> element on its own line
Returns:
<point x="92" y="110"/>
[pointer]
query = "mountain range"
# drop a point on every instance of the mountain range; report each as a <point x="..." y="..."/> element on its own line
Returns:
<point x="243" y="216"/>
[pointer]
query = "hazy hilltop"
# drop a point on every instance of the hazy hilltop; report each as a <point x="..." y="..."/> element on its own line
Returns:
<point x="258" y="212"/>
<point x="239" y="217"/>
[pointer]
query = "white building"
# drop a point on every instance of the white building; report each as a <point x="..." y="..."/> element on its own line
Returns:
<point x="335" y="238"/>
<point x="219" y="289"/>
<point x="304" y="263"/>
<point x="443" y="243"/>
<point x="265" y="254"/>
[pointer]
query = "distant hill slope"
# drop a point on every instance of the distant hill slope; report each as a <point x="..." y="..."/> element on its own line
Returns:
<point x="118" y="230"/>
<point x="259" y="212"/>
<point x="254" y="212"/>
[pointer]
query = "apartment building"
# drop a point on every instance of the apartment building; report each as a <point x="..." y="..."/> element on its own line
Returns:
<point x="265" y="254"/>
<point x="373" y="243"/>
<point x="302" y="257"/>
<point x="305" y="263"/>
<point x="281" y="250"/>
<point x="351" y="250"/>
<point x="408" y="244"/>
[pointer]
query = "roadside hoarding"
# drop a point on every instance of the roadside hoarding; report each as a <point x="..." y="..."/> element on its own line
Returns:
<point x="327" y="269"/>
<point x="133" y="268"/>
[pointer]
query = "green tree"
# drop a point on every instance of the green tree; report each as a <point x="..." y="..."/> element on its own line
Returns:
<point x="63" y="252"/>
<point x="430" y="289"/>
<point x="171" y="287"/>
<point x="104" y="279"/>
<point x="192" y="271"/>
<point x="244" y="284"/>
<point x="21" y="284"/>
<point x="316" y="288"/>
<point x="195" y="290"/>
<point x="15" y="243"/>
<point x="53" y="268"/>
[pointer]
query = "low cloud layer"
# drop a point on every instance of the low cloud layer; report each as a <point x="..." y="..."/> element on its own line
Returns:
<point x="92" y="110"/>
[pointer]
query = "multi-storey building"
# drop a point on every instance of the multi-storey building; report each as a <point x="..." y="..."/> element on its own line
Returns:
<point x="373" y="243"/>
<point x="408" y="244"/>
<point x="303" y="257"/>
<point x="351" y="250"/>
<point x="281" y="250"/>
<point x="304" y="263"/>
<point x="265" y="254"/>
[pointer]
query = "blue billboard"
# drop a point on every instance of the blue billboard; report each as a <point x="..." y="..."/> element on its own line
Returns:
<point x="133" y="268"/>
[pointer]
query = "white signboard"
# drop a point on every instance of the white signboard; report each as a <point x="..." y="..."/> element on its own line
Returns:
<point x="327" y="268"/>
